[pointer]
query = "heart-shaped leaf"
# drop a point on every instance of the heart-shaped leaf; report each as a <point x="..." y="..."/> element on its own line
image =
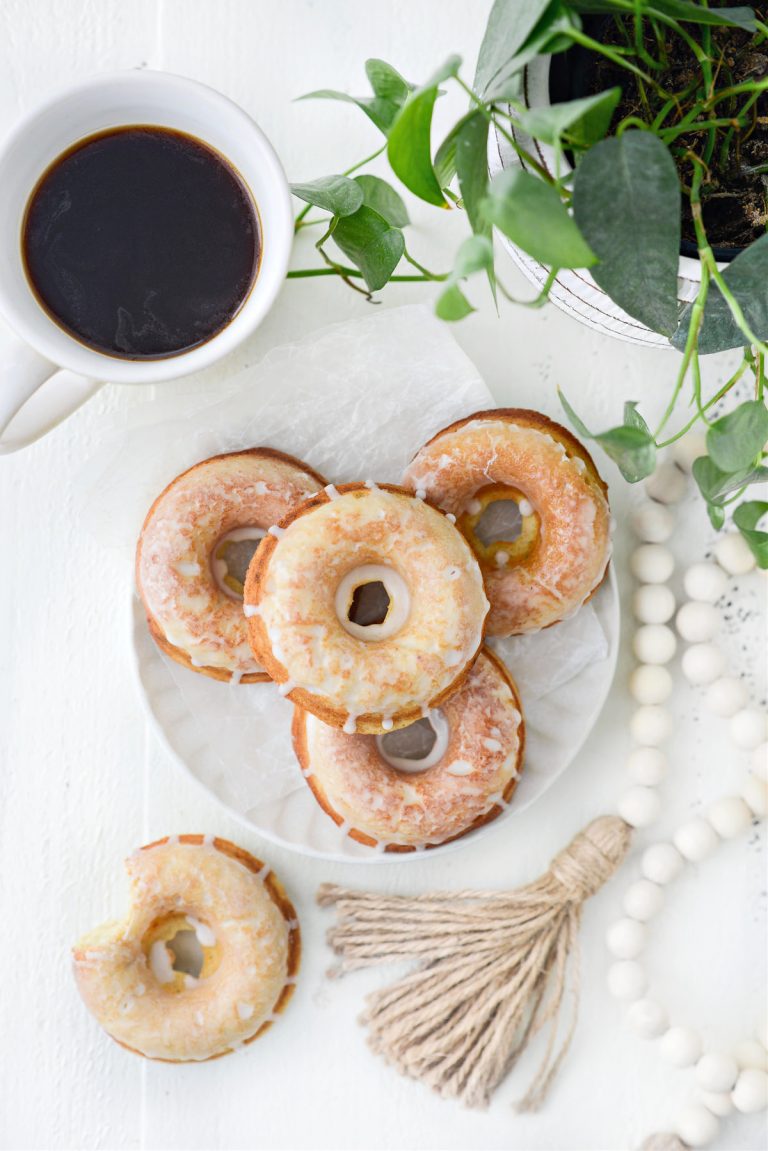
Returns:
<point x="336" y="194"/>
<point x="372" y="245"/>
<point x="409" y="148"/>
<point x="626" y="200"/>
<point x="472" y="168"/>
<point x="510" y="23"/>
<point x="390" y="93"/>
<point x="735" y="440"/>
<point x="716" y="485"/>
<point x="383" y="198"/>
<point x="746" y="277"/>
<point x="631" y="446"/>
<point x="452" y="304"/>
<point x="534" y="217"/>
<point x="386" y="81"/>
<point x="586" y="120"/>
<point x="746" y="517"/>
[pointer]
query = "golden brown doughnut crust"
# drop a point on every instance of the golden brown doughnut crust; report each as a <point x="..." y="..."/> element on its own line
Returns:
<point x="536" y="421"/>
<point x="300" y="746"/>
<point x="279" y="898"/>
<point x="369" y="723"/>
<point x="175" y="653"/>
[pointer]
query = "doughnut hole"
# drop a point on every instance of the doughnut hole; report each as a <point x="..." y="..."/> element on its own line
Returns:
<point x="418" y="746"/>
<point x="372" y="602"/>
<point x="180" y="951"/>
<point x="500" y="525"/>
<point x="231" y="558"/>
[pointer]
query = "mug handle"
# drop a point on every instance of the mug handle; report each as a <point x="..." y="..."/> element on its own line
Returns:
<point x="35" y="396"/>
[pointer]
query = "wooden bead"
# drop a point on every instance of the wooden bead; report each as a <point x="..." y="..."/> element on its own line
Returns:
<point x="760" y="762"/>
<point x="729" y="816"/>
<point x="647" y="1018"/>
<point x="643" y="899"/>
<point x="751" y="1091"/>
<point x="680" y="1046"/>
<point x="696" y="1125"/>
<point x="718" y="1102"/>
<point x="750" y="1053"/>
<point x="626" y="938"/>
<point x="702" y="663"/>
<point x="705" y="582"/>
<point x="726" y="696"/>
<point x="639" y="806"/>
<point x="716" y="1071"/>
<point x="650" y="683"/>
<point x="695" y="839"/>
<point x="668" y="484"/>
<point x="688" y="448"/>
<point x="755" y="794"/>
<point x="661" y="863"/>
<point x="697" y="622"/>
<point x="653" y="523"/>
<point x="733" y="554"/>
<point x="748" y="728"/>
<point x="647" y="765"/>
<point x="652" y="563"/>
<point x="653" y="603"/>
<point x="654" y="643"/>
<point x="627" y="980"/>
<point x="650" y="726"/>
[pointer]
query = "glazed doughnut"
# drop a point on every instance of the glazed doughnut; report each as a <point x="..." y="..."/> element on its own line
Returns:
<point x="383" y="795"/>
<point x="194" y="549"/>
<point x="317" y="627"/>
<point x="247" y="932"/>
<point x="529" y="499"/>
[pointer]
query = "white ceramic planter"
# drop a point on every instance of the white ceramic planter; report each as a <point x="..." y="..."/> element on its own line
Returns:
<point x="574" y="290"/>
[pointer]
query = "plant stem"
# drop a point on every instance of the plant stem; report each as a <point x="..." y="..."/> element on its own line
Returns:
<point x="342" y="270"/>
<point x="734" y="379"/>
<point x="439" y="276"/>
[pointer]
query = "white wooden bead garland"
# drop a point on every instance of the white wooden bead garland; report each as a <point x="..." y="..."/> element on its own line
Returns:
<point x="725" y="1081"/>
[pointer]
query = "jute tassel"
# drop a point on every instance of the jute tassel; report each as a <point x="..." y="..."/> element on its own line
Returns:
<point x="492" y="968"/>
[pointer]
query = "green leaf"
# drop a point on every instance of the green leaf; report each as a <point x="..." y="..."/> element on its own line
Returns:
<point x="383" y="198"/>
<point x="452" y="304"/>
<point x="372" y="244"/>
<point x="746" y="277"/>
<point x="632" y="449"/>
<point x="746" y="517"/>
<point x="390" y="93"/>
<point x="510" y="23"/>
<point x="336" y="194"/>
<point x="692" y="11"/>
<point x="472" y="169"/>
<point x="716" y="485"/>
<point x="735" y="440"/>
<point x="533" y="216"/>
<point x="386" y="81"/>
<point x="716" y="515"/>
<point x="380" y="112"/>
<point x="575" y="419"/>
<point x="587" y="119"/>
<point x="474" y="255"/>
<point x="626" y="200"/>
<point x="445" y="157"/>
<point x="444" y="72"/>
<point x="409" y="147"/>
<point x="631" y="446"/>
<point x="549" y="36"/>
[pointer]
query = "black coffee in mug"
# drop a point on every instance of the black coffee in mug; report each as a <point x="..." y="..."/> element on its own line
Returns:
<point x="141" y="242"/>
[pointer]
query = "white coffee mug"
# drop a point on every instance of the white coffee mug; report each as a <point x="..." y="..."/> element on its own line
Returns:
<point x="45" y="374"/>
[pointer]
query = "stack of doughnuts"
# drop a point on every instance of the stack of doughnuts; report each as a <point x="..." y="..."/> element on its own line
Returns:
<point x="367" y="605"/>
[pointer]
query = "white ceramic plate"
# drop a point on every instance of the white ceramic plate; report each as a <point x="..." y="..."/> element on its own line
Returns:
<point x="235" y="741"/>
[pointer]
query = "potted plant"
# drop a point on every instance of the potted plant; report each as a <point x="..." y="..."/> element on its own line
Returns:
<point x="622" y="133"/>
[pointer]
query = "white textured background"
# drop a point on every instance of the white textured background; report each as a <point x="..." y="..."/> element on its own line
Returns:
<point x="82" y="782"/>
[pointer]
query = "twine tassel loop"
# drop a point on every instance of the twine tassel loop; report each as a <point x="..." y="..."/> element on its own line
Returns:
<point x="492" y="969"/>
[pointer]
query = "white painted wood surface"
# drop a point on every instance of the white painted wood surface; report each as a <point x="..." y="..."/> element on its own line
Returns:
<point x="82" y="781"/>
